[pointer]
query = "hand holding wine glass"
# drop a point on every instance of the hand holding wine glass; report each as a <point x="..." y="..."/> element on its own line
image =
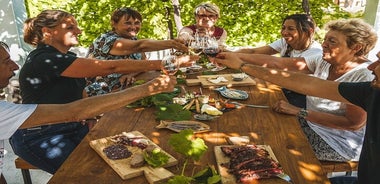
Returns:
<point x="170" y="64"/>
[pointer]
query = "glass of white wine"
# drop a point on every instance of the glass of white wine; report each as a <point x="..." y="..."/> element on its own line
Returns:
<point x="170" y="64"/>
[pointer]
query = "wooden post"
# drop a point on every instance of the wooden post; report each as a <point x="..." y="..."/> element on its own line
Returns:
<point x="177" y="14"/>
<point x="170" y="24"/>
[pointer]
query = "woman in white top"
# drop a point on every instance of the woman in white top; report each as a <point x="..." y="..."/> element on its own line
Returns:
<point x="335" y="130"/>
<point x="297" y="40"/>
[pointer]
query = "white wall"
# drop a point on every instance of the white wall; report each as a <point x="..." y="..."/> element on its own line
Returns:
<point x="372" y="16"/>
<point x="12" y="17"/>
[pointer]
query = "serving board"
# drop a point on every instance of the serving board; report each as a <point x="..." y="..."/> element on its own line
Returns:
<point x="228" y="178"/>
<point x="122" y="166"/>
<point x="203" y="80"/>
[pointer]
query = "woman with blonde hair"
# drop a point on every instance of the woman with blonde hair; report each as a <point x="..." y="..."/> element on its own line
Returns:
<point x="206" y="15"/>
<point x="334" y="129"/>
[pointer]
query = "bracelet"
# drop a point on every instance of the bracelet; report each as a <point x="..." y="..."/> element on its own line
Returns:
<point x="242" y="65"/>
<point x="302" y="113"/>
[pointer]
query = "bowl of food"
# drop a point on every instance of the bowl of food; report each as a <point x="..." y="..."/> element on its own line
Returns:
<point x="239" y="76"/>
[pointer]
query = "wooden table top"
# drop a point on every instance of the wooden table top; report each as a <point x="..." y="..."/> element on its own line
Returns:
<point x="263" y="126"/>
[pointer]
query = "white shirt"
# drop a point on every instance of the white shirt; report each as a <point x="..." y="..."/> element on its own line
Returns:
<point x="280" y="46"/>
<point x="347" y="143"/>
<point x="12" y="116"/>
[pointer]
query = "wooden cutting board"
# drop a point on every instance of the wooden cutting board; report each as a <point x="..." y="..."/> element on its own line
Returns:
<point x="203" y="80"/>
<point x="228" y="178"/>
<point x="123" y="168"/>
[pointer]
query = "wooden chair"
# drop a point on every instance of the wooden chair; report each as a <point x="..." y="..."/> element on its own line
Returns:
<point x="2" y="179"/>
<point x="24" y="166"/>
<point x="348" y="167"/>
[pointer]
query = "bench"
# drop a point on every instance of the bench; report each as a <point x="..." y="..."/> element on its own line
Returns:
<point x="331" y="166"/>
<point x="24" y="166"/>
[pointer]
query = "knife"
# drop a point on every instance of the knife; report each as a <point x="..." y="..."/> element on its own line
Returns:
<point x="250" y="105"/>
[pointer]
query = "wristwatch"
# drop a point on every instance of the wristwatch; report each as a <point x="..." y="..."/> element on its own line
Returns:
<point x="302" y="113"/>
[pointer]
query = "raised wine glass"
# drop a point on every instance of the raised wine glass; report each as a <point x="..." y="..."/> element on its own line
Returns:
<point x="211" y="47"/>
<point x="170" y="64"/>
<point x="196" y="45"/>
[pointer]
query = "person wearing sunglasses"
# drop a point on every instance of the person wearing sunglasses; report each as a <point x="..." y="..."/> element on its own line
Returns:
<point x="206" y="16"/>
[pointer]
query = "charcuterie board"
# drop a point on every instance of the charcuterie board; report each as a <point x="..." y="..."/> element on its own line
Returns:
<point x="221" y="158"/>
<point x="205" y="81"/>
<point x="123" y="167"/>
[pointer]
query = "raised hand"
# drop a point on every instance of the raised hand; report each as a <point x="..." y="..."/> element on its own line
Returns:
<point x="229" y="59"/>
<point x="163" y="83"/>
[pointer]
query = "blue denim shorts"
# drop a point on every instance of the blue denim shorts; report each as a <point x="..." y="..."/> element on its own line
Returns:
<point x="47" y="147"/>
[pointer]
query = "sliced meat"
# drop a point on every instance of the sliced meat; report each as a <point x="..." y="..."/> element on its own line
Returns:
<point x="249" y="163"/>
<point x="137" y="160"/>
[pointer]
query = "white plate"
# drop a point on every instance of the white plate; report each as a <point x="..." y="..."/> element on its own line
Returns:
<point x="234" y="94"/>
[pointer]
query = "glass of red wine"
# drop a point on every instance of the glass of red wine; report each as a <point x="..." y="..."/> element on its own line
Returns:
<point x="211" y="47"/>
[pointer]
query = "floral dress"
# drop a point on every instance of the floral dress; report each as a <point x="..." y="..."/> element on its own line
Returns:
<point x="100" y="49"/>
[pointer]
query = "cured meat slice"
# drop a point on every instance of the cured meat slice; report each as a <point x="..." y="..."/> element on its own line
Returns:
<point x="250" y="162"/>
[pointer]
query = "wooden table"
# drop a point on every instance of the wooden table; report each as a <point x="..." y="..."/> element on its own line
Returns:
<point x="282" y="132"/>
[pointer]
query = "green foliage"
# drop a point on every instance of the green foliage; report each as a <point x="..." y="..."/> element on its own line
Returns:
<point x="207" y="176"/>
<point x="173" y="112"/>
<point x="156" y="158"/>
<point x="185" y="144"/>
<point x="248" y="22"/>
<point x="180" y="179"/>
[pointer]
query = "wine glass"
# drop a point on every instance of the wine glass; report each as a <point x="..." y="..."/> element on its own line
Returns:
<point x="170" y="64"/>
<point x="195" y="45"/>
<point x="211" y="47"/>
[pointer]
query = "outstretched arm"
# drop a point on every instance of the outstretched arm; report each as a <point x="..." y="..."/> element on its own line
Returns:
<point x="88" y="67"/>
<point x="126" y="46"/>
<point x="93" y="106"/>
<point x="295" y="81"/>
<point x="352" y="120"/>
<point x="258" y="50"/>
<point x="286" y="63"/>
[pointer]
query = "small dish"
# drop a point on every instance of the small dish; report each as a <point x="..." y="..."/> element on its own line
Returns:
<point x="239" y="76"/>
<point x="195" y="68"/>
<point x="216" y="69"/>
<point x="232" y="93"/>
<point x="183" y="69"/>
<point x="235" y="94"/>
<point x="204" y="117"/>
<point x="218" y="80"/>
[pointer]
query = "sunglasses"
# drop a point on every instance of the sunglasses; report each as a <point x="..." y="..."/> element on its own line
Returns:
<point x="207" y="16"/>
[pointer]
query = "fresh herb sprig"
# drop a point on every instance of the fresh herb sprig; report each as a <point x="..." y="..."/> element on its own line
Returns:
<point x="192" y="148"/>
